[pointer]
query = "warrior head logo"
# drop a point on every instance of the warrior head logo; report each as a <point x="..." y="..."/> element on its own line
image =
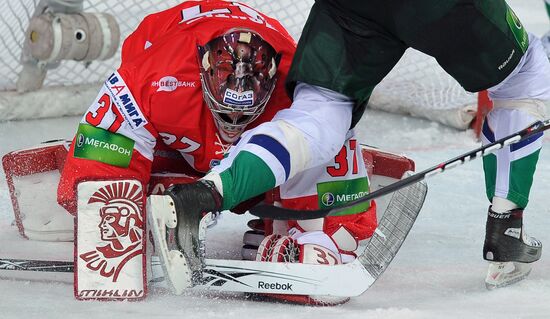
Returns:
<point x="121" y="222"/>
<point x="121" y="227"/>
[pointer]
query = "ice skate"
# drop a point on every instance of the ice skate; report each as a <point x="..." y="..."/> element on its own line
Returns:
<point x="508" y="249"/>
<point x="502" y="274"/>
<point x="180" y="210"/>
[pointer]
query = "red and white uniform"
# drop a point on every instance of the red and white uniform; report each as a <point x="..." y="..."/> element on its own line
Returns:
<point x="155" y="97"/>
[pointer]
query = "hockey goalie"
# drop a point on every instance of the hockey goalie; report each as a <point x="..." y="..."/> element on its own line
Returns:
<point x="192" y="80"/>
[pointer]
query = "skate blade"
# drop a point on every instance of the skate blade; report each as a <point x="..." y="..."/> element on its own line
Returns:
<point x="502" y="274"/>
<point x="161" y="215"/>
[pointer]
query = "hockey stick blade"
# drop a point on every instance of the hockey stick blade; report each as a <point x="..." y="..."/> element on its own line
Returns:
<point x="280" y="213"/>
<point x="347" y="280"/>
<point x="36" y="265"/>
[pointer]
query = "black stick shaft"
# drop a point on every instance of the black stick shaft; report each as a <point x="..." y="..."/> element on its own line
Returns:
<point x="273" y="212"/>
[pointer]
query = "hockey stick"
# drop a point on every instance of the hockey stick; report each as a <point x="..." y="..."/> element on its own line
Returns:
<point x="274" y="212"/>
<point x="36" y="265"/>
<point x="188" y="268"/>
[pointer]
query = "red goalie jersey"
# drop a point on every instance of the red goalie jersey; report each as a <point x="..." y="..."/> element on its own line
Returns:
<point x="155" y="101"/>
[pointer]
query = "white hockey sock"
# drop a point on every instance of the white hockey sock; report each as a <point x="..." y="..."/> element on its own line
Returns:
<point x="215" y="178"/>
<point x="502" y="205"/>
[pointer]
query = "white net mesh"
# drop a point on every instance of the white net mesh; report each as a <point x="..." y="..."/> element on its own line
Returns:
<point x="15" y="15"/>
<point x="416" y="86"/>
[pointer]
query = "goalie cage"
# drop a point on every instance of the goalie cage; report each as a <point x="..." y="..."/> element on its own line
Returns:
<point x="417" y="86"/>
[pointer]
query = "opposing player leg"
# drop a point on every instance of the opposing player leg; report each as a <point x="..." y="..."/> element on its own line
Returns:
<point x="274" y="152"/>
<point x="499" y="55"/>
<point x="509" y="175"/>
<point x="341" y="69"/>
<point x="518" y="101"/>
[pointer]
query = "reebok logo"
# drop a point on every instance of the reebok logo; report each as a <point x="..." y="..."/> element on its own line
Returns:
<point x="275" y="286"/>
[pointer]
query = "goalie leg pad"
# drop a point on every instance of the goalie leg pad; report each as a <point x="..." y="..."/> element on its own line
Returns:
<point x="110" y="247"/>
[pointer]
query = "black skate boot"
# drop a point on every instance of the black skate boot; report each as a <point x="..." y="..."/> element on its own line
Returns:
<point x="505" y="239"/>
<point x="509" y="250"/>
<point x="192" y="201"/>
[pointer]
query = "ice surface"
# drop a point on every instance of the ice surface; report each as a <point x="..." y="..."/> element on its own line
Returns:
<point x="438" y="273"/>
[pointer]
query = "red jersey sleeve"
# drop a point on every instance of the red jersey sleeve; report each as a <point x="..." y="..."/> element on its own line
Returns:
<point x="117" y="117"/>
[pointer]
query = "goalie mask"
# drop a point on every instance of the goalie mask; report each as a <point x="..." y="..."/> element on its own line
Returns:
<point x="238" y="75"/>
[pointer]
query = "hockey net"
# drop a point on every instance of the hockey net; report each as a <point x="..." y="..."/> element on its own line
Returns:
<point x="416" y="86"/>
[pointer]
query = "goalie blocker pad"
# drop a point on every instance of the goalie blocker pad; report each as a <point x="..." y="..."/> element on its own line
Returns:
<point x="110" y="246"/>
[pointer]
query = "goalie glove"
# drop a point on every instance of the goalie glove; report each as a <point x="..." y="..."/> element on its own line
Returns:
<point x="259" y="228"/>
<point x="313" y="247"/>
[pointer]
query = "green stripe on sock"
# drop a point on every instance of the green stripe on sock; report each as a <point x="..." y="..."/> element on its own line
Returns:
<point x="548" y="8"/>
<point x="490" y="170"/>
<point x="521" y="178"/>
<point x="247" y="177"/>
